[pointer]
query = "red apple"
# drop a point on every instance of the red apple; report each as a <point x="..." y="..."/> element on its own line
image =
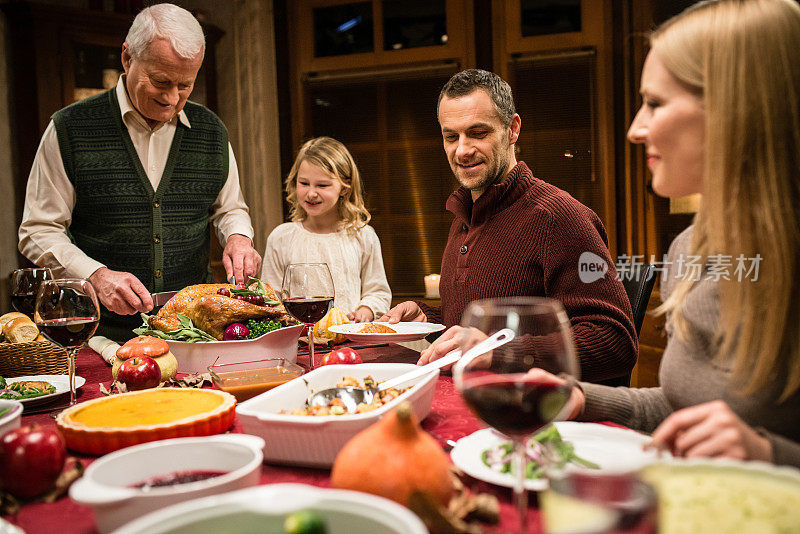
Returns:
<point x="31" y="458"/>
<point x="139" y="372"/>
<point x="342" y="355"/>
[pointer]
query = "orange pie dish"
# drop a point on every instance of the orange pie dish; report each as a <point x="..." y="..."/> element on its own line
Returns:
<point x="104" y="425"/>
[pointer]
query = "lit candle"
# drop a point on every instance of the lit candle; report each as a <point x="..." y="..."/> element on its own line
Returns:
<point x="432" y="286"/>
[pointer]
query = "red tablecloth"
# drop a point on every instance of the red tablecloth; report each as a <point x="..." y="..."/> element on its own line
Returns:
<point x="449" y="419"/>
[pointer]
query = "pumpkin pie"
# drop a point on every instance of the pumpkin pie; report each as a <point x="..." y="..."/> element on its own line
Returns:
<point x="104" y="425"/>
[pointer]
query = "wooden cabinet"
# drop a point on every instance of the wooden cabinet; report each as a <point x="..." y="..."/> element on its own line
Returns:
<point x="57" y="55"/>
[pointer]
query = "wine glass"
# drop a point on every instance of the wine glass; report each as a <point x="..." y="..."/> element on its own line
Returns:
<point x="24" y="286"/>
<point x="67" y="313"/>
<point x="307" y="293"/>
<point x="496" y="384"/>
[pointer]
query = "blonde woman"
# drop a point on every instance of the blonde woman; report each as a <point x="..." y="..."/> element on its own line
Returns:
<point x="330" y="225"/>
<point x="721" y="116"/>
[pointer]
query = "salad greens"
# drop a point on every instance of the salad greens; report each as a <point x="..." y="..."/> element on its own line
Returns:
<point x="547" y="445"/>
<point x="187" y="331"/>
<point x="259" y="327"/>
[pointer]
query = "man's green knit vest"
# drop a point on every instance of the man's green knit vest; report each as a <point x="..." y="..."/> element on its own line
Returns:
<point x="160" y="236"/>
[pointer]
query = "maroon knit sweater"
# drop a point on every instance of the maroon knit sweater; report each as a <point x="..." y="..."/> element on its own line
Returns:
<point x="524" y="236"/>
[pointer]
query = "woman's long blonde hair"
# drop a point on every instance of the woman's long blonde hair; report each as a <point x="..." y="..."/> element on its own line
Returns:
<point x="742" y="57"/>
<point x="333" y="157"/>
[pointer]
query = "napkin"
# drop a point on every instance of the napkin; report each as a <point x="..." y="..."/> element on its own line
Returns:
<point x="107" y="348"/>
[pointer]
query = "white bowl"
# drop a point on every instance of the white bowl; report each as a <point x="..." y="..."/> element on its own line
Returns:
<point x="316" y="440"/>
<point x="196" y="357"/>
<point x="10" y="420"/>
<point x="264" y="509"/>
<point x="105" y="486"/>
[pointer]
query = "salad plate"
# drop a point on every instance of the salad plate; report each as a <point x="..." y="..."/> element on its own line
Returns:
<point x="411" y="331"/>
<point x="60" y="382"/>
<point x="613" y="449"/>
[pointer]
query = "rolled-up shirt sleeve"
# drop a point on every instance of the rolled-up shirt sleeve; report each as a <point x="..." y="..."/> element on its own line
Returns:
<point x="47" y="214"/>
<point x="230" y="214"/>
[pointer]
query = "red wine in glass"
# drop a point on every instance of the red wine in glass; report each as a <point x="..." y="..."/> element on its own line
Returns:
<point x="24" y="303"/>
<point x="516" y="405"/>
<point x="308" y="310"/>
<point x="67" y="312"/>
<point x="307" y="293"/>
<point x="517" y="388"/>
<point x="69" y="332"/>
<point x="24" y="286"/>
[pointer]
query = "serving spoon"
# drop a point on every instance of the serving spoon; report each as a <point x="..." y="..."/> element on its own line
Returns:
<point x="352" y="396"/>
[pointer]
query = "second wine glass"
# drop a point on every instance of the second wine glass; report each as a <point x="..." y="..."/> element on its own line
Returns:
<point x="307" y="293"/>
<point x="498" y="385"/>
<point x="67" y="313"/>
<point x="24" y="286"/>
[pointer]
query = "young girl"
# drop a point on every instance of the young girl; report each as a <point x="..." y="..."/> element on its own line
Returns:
<point x="330" y="225"/>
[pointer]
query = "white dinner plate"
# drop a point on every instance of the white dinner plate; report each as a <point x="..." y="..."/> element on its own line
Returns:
<point x="613" y="449"/>
<point x="403" y="332"/>
<point x="61" y="383"/>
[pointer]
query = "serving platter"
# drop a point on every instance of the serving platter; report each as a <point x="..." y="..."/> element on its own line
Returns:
<point x="408" y="331"/>
<point x="196" y="357"/>
<point x="316" y="440"/>
<point x="60" y="382"/>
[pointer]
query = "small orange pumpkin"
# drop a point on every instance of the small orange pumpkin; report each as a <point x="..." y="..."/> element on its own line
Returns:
<point x="334" y="317"/>
<point x="393" y="458"/>
<point x="150" y="346"/>
<point x="142" y="346"/>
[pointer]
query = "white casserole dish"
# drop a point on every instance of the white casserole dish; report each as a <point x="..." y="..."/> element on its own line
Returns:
<point x="316" y="440"/>
<point x="196" y="357"/>
<point x="105" y="484"/>
<point x="264" y="509"/>
<point x="11" y="419"/>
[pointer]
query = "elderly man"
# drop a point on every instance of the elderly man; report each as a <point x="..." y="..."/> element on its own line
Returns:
<point x="124" y="183"/>
<point x="516" y="235"/>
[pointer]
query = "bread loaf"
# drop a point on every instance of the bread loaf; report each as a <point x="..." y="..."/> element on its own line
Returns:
<point x="6" y="318"/>
<point x="20" y="330"/>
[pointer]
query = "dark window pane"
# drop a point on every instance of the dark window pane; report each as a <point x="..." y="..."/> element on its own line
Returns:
<point x="345" y="29"/>
<point x="413" y="109"/>
<point x="345" y="112"/>
<point x="413" y="23"/>
<point x="555" y="100"/>
<point x="542" y="17"/>
<point x="91" y="61"/>
<point x="389" y="125"/>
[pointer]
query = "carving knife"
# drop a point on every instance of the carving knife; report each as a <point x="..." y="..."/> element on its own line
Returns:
<point x="159" y="299"/>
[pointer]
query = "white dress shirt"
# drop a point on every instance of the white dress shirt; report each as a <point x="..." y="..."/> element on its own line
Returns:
<point x="50" y="196"/>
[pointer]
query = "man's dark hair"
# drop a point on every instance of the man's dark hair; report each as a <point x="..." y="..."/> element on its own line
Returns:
<point x="467" y="81"/>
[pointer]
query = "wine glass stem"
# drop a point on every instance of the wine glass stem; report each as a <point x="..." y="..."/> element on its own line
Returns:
<point x="520" y="493"/>
<point x="311" y="347"/>
<point x="71" y="355"/>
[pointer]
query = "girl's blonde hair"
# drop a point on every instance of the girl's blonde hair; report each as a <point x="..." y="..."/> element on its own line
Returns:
<point x="742" y="57"/>
<point x="333" y="157"/>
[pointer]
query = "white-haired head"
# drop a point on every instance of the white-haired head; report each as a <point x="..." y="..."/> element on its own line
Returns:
<point x="170" y="22"/>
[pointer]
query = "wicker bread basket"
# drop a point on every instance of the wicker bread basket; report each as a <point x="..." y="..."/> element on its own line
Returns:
<point x="34" y="358"/>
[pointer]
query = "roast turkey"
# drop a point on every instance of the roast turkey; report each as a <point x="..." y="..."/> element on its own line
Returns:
<point x="212" y="312"/>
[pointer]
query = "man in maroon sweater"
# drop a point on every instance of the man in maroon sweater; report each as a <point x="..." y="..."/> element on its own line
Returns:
<point x="515" y="235"/>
